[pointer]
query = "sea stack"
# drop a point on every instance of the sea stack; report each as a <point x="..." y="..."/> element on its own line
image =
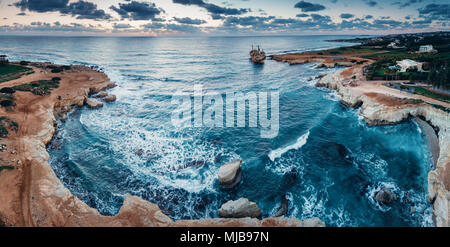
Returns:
<point x="230" y="174"/>
<point x="240" y="208"/>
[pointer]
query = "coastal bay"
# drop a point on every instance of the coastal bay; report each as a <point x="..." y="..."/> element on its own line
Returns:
<point x="88" y="117"/>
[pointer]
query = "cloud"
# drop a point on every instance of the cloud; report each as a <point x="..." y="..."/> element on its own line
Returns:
<point x="47" y="27"/>
<point x="159" y="27"/>
<point x="407" y="3"/>
<point x="370" y="3"/>
<point x="85" y="10"/>
<point x="42" y="5"/>
<point x="137" y="10"/>
<point x="436" y="11"/>
<point x="81" y="9"/>
<point x="346" y="16"/>
<point x="302" y="15"/>
<point x="213" y="9"/>
<point x="189" y="21"/>
<point x="309" y="7"/>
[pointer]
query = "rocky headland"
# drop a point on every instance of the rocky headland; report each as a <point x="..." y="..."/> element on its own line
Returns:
<point x="381" y="105"/>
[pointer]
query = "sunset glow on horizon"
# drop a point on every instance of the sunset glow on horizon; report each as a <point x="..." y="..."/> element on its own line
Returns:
<point x="221" y="17"/>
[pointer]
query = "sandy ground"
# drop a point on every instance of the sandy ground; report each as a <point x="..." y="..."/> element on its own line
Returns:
<point x="359" y="80"/>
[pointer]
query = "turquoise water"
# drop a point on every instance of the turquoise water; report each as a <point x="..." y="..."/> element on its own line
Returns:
<point x="325" y="159"/>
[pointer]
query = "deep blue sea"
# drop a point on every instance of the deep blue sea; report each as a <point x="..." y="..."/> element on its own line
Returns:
<point x="325" y="159"/>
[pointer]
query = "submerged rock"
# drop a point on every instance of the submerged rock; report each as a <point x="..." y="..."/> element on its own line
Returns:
<point x="230" y="174"/>
<point x="385" y="196"/>
<point x="140" y="152"/>
<point x="194" y="164"/>
<point x="289" y="179"/>
<point x="283" y="209"/>
<point x="240" y="208"/>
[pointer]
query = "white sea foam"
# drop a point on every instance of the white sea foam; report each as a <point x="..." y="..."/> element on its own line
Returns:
<point x="277" y="153"/>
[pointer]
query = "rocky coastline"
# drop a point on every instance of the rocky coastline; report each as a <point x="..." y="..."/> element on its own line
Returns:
<point x="379" y="109"/>
<point x="32" y="195"/>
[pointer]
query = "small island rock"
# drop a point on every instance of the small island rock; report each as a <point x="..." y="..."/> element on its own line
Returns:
<point x="230" y="174"/>
<point x="240" y="208"/>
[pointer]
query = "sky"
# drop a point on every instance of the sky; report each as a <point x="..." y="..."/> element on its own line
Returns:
<point x="221" y="17"/>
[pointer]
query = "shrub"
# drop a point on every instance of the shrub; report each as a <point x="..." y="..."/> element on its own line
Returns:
<point x="24" y="63"/>
<point x="7" y="90"/>
<point x="57" y="70"/>
<point x="56" y="78"/>
<point x="3" y="132"/>
<point x="6" y="103"/>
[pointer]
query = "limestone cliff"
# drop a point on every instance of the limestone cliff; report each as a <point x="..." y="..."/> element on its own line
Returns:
<point x="384" y="108"/>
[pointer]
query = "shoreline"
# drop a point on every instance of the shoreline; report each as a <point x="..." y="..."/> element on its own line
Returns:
<point x="32" y="195"/>
<point x="381" y="105"/>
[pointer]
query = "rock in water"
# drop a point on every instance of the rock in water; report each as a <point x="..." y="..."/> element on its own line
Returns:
<point x="289" y="178"/>
<point x="230" y="174"/>
<point x="385" y="196"/>
<point x="102" y="94"/>
<point x="110" y="98"/>
<point x="240" y="208"/>
<point x="194" y="164"/>
<point x="283" y="207"/>
<point x="93" y="103"/>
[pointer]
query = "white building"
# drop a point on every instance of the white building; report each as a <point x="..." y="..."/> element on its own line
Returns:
<point x="409" y="64"/>
<point x="426" y="48"/>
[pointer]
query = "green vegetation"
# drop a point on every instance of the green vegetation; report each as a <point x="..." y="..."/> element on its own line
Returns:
<point x="354" y="50"/>
<point x="383" y="70"/>
<point x="7" y="90"/>
<point x="10" y="72"/>
<point x="42" y="87"/>
<point x="5" y="124"/>
<point x="430" y="94"/>
<point x="6" y="168"/>
<point x="421" y="91"/>
<point x="7" y="101"/>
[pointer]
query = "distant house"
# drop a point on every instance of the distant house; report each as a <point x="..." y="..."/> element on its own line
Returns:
<point x="426" y="48"/>
<point x="409" y="64"/>
<point x="3" y="59"/>
<point x="395" y="44"/>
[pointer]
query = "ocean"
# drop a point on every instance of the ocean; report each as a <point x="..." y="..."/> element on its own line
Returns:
<point x="325" y="160"/>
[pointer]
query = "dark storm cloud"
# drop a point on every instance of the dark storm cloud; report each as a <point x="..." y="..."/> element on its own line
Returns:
<point x="436" y="11"/>
<point x="346" y="16"/>
<point x="137" y="10"/>
<point x="189" y="21"/>
<point x="309" y="7"/>
<point x="81" y="9"/>
<point x="212" y="8"/>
